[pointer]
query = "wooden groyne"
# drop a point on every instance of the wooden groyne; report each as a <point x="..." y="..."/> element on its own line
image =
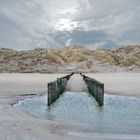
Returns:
<point x="56" y="88"/>
<point x="95" y="88"/>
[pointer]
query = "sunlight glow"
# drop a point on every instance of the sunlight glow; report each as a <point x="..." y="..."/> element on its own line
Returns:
<point x="66" y="25"/>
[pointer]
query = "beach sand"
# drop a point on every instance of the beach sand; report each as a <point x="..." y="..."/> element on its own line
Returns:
<point x="16" y="123"/>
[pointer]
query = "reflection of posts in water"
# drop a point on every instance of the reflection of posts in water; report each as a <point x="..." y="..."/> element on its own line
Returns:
<point x="56" y="88"/>
<point x="95" y="88"/>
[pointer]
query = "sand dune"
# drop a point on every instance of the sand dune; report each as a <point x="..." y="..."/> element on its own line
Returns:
<point x="69" y="59"/>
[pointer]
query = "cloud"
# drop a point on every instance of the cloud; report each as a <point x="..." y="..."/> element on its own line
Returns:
<point x="118" y="19"/>
<point x="31" y="23"/>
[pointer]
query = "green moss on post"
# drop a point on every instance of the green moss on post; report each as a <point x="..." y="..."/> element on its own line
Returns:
<point x="51" y="92"/>
<point x="95" y="88"/>
<point x="56" y="88"/>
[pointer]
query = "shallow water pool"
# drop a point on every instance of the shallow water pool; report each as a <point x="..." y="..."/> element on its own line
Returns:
<point x="118" y="115"/>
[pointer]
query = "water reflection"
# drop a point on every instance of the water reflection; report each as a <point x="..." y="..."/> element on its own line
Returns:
<point x="118" y="115"/>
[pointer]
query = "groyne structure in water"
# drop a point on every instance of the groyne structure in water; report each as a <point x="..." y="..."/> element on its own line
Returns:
<point x="95" y="88"/>
<point x="56" y="88"/>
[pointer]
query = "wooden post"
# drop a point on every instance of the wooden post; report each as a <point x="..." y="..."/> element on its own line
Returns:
<point x="51" y="92"/>
<point x="95" y="88"/>
<point x="56" y="88"/>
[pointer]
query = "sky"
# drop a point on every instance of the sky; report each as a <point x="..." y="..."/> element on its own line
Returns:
<point x="28" y="24"/>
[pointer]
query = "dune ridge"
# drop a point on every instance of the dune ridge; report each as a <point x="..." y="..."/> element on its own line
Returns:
<point x="68" y="59"/>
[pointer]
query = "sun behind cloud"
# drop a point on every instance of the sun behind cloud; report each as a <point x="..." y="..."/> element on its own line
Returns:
<point x="66" y="25"/>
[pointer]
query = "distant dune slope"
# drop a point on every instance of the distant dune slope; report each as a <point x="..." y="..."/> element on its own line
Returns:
<point x="68" y="59"/>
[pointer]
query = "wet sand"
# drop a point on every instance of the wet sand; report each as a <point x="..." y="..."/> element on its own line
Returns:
<point x="18" y="124"/>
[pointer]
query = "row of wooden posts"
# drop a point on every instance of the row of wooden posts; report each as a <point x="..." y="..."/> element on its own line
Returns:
<point x="56" y="88"/>
<point x="95" y="88"/>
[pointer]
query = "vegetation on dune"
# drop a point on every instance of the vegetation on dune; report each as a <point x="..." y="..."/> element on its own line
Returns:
<point x="81" y="57"/>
